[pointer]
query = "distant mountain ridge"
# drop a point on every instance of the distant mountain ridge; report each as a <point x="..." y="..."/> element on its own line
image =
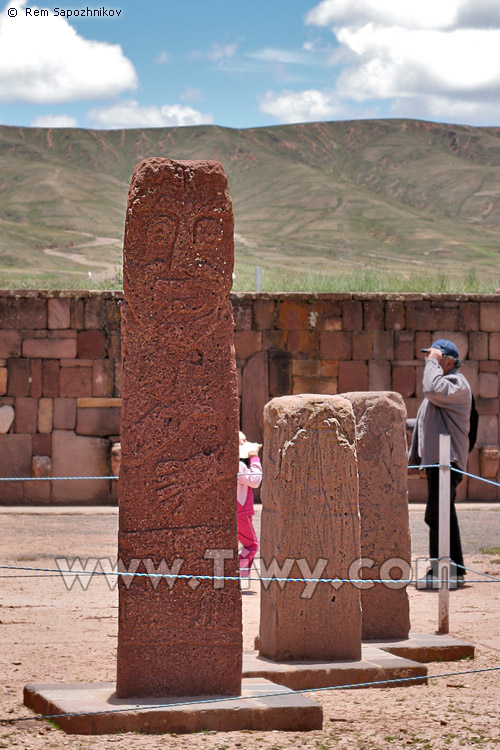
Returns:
<point x="392" y="194"/>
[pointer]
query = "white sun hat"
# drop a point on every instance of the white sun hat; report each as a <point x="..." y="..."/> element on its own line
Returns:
<point x="246" y="447"/>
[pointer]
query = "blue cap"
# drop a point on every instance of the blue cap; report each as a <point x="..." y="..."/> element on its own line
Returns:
<point x="446" y="347"/>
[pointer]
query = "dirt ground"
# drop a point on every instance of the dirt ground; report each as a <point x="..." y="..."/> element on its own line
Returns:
<point x="51" y="634"/>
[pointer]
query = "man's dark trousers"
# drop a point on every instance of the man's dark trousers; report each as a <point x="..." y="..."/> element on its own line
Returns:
<point x="432" y="518"/>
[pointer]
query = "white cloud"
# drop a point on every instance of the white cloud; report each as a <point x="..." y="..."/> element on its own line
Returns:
<point x="43" y="60"/>
<point x="302" y="106"/>
<point x="163" y="58"/>
<point x="128" y="114"/>
<point x="54" y="121"/>
<point x="215" y="53"/>
<point x="191" y="94"/>
<point x="279" y="56"/>
<point x="434" y="58"/>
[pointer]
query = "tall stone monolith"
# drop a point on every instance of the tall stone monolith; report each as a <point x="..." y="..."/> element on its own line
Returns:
<point x="310" y="529"/>
<point x="383" y="506"/>
<point x="179" y="435"/>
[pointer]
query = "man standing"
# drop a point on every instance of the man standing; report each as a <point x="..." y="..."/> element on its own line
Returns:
<point x="445" y="410"/>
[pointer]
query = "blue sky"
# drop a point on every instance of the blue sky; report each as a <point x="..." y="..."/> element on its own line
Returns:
<point x="250" y="63"/>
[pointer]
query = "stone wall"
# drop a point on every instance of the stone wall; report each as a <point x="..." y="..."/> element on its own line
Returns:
<point x="60" y="373"/>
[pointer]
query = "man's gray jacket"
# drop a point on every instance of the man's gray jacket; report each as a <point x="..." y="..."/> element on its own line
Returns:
<point x="445" y="410"/>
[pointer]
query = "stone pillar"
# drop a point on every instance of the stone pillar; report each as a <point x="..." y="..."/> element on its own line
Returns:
<point x="310" y="519"/>
<point x="179" y="435"/>
<point x="383" y="505"/>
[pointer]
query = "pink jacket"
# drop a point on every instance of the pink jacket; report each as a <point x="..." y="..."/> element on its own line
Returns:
<point x="248" y="478"/>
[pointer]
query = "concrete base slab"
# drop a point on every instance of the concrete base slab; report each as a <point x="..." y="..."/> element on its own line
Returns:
<point x="427" y="647"/>
<point x="93" y="708"/>
<point x="376" y="664"/>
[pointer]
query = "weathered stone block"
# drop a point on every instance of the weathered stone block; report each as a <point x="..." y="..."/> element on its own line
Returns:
<point x="75" y="382"/>
<point x="77" y="314"/>
<point x="113" y="314"/>
<point x="45" y="414"/>
<point x="10" y="343"/>
<point x="113" y="348"/>
<point x="379" y="376"/>
<point x="489" y="315"/>
<point x="59" y="313"/>
<point x="15" y="461"/>
<point x="280" y="373"/>
<point x="300" y="341"/>
<point x="247" y="343"/>
<point x="383" y="507"/>
<point x="488" y="385"/>
<point x="362" y="345"/>
<point x="487" y="431"/>
<point x="23" y="312"/>
<point x="421" y="316"/>
<point x="352" y="315"/>
<point x="404" y="345"/>
<point x="98" y="422"/>
<point x="242" y="314"/>
<point x="315" y="385"/>
<point x="478" y="345"/>
<point x="470" y="370"/>
<point x="41" y="445"/>
<point x="18" y="377"/>
<point x="494" y="346"/>
<point x="403" y="381"/>
<point x="7" y="415"/>
<point x="179" y="434"/>
<point x="263" y="314"/>
<point x="255" y="396"/>
<point x="275" y="340"/>
<point x="423" y="340"/>
<point x="3" y="381"/>
<point x="468" y="316"/>
<point x="487" y="366"/>
<point x="353" y="375"/>
<point x="91" y="345"/>
<point x="306" y="367"/>
<point x="41" y="466"/>
<point x="373" y="315"/>
<point x="76" y="456"/>
<point x="486" y="406"/>
<point x="336" y="345"/>
<point x="36" y="389"/>
<point x="103" y="377"/>
<point x="50" y="378"/>
<point x="94" y="312"/>
<point x="26" y="415"/>
<point x="310" y="517"/>
<point x="394" y="315"/>
<point x="49" y="348"/>
<point x="383" y="345"/>
<point x="329" y="368"/>
<point x="293" y="316"/>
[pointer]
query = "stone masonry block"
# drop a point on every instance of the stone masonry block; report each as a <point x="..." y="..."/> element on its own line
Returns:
<point x="76" y="456"/>
<point x="15" y="461"/>
<point x="488" y="385"/>
<point x="468" y="316"/>
<point x="293" y="316"/>
<point x="91" y="345"/>
<point x="23" y="313"/>
<point x="306" y="367"/>
<point x="423" y="340"/>
<point x="77" y="314"/>
<point x="280" y="373"/>
<point x="315" y="385"/>
<point x="478" y="345"/>
<point x="302" y="341"/>
<point x="329" y="368"/>
<point x="10" y="343"/>
<point x="470" y="370"/>
<point x="263" y="314"/>
<point x="45" y="414"/>
<point x="37" y="493"/>
<point x="3" y="381"/>
<point x="75" y="382"/>
<point x="36" y="388"/>
<point x="489" y="315"/>
<point x="64" y="413"/>
<point x="404" y="345"/>
<point x="113" y="348"/>
<point x="242" y="314"/>
<point x="352" y="315"/>
<point x="42" y="444"/>
<point x="487" y="431"/>
<point x="487" y="406"/>
<point x="421" y="316"/>
<point x="18" y="377"/>
<point x="59" y="313"/>
<point x="247" y="343"/>
<point x="113" y="314"/>
<point x="379" y="376"/>
<point x="373" y="315"/>
<point x="336" y="345"/>
<point x="95" y="312"/>
<point x="50" y="378"/>
<point x="394" y="315"/>
<point x="103" y="377"/>
<point x="275" y="340"/>
<point x="26" y="415"/>
<point x="255" y="395"/>
<point x="362" y="345"/>
<point x="486" y="366"/>
<point x="404" y="381"/>
<point x="383" y="345"/>
<point x="49" y="348"/>
<point x="98" y="422"/>
<point x="494" y="346"/>
<point x="353" y="376"/>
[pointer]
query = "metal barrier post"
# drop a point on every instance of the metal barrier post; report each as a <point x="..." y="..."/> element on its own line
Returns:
<point x="444" y="534"/>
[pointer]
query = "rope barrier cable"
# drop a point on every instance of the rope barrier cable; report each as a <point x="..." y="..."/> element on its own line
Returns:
<point x="205" y="701"/>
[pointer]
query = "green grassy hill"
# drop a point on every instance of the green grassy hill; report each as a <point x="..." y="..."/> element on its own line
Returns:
<point x="394" y="196"/>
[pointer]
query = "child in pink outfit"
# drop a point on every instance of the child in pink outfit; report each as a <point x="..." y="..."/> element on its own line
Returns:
<point x="249" y="478"/>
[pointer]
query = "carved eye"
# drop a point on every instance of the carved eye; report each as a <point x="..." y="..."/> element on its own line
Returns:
<point x="161" y="232"/>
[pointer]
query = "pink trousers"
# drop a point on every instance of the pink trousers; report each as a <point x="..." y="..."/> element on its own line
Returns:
<point x="248" y="538"/>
